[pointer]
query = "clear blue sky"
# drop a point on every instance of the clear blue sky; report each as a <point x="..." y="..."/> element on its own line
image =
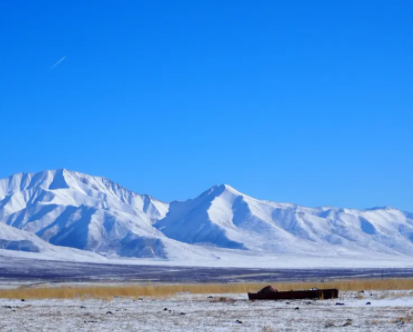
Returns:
<point x="295" y="101"/>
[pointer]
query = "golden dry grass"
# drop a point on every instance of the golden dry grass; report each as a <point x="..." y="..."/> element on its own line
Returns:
<point x="163" y="290"/>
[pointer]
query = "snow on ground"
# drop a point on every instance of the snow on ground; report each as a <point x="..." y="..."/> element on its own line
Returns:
<point x="223" y="259"/>
<point x="252" y="260"/>
<point x="389" y="311"/>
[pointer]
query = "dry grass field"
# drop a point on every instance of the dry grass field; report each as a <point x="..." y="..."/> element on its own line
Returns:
<point x="167" y="290"/>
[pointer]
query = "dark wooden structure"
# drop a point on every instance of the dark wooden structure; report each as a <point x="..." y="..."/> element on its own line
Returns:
<point x="325" y="294"/>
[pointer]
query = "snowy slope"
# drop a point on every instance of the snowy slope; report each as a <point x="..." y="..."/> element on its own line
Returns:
<point x="18" y="240"/>
<point x="226" y="218"/>
<point x="70" y="209"/>
<point x="91" y="213"/>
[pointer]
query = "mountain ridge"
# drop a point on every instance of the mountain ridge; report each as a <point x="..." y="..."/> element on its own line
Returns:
<point x="218" y="185"/>
<point x="91" y="213"/>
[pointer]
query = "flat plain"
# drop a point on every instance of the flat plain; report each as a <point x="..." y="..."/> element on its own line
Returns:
<point x="368" y="311"/>
<point x="72" y="296"/>
<point x="29" y="270"/>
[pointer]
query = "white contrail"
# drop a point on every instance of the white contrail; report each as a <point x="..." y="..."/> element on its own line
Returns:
<point x="57" y="63"/>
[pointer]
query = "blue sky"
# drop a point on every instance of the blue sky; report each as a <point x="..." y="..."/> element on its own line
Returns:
<point x="295" y="101"/>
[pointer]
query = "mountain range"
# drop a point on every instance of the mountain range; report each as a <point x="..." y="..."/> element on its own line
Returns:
<point x="62" y="214"/>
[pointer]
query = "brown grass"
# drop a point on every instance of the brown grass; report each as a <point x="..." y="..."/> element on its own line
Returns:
<point x="162" y="290"/>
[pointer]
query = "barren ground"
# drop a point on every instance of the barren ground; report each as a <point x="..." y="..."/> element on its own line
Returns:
<point x="389" y="311"/>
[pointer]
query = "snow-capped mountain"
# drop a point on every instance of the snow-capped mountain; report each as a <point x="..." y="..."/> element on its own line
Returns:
<point x="49" y="210"/>
<point x="76" y="210"/>
<point x="229" y="219"/>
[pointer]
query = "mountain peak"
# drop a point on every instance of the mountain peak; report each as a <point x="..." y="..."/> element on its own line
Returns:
<point x="59" y="180"/>
<point x="227" y="188"/>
